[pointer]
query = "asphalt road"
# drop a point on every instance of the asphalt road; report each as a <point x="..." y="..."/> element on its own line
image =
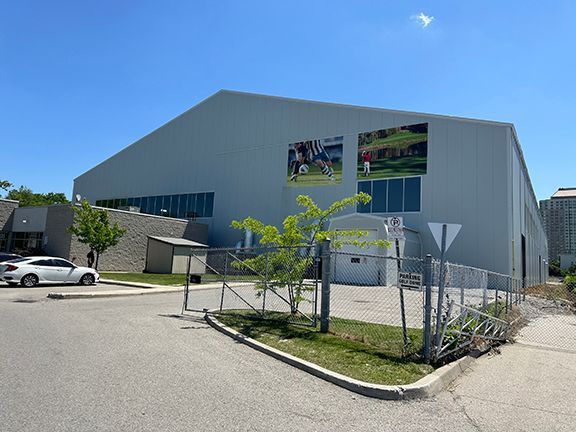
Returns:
<point x="127" y="364"/>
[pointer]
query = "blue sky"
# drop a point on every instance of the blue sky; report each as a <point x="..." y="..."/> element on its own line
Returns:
<point x="80" y="80"/>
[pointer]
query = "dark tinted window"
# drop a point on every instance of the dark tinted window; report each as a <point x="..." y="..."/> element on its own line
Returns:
<point x="17" y="260"/>
<point x="364" y="187"/>
<point x="144" y="205"/>
<point x="174" y="206"/>
<point x="182" y="202"/>
<point x="209" y="205"/>
<point x="61" y="263"/>
<point x="157" y="205"/>
<point x="379" y="192"/>
<point x="412" y="188"/>
<point x="191" y="212"/>
<point x="395" y="192"/>
<point x="46" y="263"/>
<point x="200" y="204"/>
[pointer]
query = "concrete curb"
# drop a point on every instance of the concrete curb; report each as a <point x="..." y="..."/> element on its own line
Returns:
<point x="149" y="289"/>
<point x="107" y="294"/>
<point x="428" y="386"/>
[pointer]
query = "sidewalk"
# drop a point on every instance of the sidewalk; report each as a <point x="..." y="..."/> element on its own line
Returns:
<point x="125" y="289"/>
<point x="523" y="388"/>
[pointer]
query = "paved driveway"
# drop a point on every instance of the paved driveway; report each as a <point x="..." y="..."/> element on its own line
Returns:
<point x="127" y="364"/>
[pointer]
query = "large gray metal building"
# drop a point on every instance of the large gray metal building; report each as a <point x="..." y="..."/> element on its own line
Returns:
<point x="233" y="155"/>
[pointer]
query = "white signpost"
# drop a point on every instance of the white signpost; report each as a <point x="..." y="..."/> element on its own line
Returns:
<point x="444" y="234"/>
<point x="396" y="228"/>
<point x="396" y="233"/>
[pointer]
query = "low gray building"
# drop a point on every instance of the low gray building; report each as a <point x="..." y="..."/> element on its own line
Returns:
<point x="46" y="229"/>
<point x="237" y="154"/>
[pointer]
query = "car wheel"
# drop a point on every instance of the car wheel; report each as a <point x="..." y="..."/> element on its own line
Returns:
<point x="29" y="280"/>
<point x="87" y="279"/>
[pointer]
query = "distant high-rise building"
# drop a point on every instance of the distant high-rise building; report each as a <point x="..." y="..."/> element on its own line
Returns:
<point x="559" y="217"/>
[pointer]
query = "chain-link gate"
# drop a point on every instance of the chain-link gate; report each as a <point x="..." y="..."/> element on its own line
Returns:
<point x="273" y="283"/>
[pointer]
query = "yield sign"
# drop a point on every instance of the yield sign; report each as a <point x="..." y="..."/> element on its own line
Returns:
<point x="451" y="233"/>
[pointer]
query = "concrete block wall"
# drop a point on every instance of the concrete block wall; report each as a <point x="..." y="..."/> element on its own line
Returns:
<point x="6" y="217"/>
<point x="6" y="209"/>
<point x="130" y="254"/>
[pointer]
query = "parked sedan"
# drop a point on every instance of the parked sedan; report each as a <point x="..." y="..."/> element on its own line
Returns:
<point x="31" y="271"/>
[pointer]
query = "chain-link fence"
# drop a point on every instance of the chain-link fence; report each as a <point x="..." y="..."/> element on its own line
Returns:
<point x="406" y="307"/>
<point x="272" y="283"/>
<point x="366" y="303"/>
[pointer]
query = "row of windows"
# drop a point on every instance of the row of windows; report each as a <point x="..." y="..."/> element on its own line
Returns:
<point x="189" y="206"/>
<point x="400" y="195"/>
<point x="26" y="241"/>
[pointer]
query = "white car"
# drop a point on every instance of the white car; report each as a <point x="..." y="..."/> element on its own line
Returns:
<point x="30" y="271"/>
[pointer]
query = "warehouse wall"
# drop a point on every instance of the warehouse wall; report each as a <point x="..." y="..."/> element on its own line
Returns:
<point x="236" y="145"/>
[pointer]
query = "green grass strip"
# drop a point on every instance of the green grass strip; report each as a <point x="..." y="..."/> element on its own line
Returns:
<point x="364" y="351"/>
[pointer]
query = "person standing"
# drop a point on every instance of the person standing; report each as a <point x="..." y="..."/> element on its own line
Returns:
<point x="366" y="157"/>
<point x="90" y="257"/>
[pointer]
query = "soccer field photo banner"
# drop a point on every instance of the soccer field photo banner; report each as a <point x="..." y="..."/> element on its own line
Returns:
<point x="395" y="152"/>
<point x="315" y="162"/>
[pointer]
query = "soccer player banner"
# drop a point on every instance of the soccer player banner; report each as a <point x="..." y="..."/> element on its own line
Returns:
<point x="394" y="152"/>
<point x="315" y="162"/>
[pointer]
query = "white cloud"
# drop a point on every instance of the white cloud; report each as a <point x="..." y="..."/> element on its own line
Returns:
<point x="423" y="19"/>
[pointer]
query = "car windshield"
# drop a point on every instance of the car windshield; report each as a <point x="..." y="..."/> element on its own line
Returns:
<point x="17" y="260"/>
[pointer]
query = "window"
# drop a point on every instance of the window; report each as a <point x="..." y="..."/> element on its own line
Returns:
<point x="26" y="241"/>
<point x="45" y="263"/>
<point x="200" y="204"/>
<point x="367" y="188"/>
<point x="61" y="263"/>
<point x="398" y="195"/>
<point x="209" y="205"/>
<point x="379" y="195"/>
<point x="177" y="206"/>
<point x="412" y="188"/>
<point x="183" y="201"/>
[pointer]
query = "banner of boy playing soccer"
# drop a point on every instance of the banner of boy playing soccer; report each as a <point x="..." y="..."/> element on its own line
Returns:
<point x="394" y="152"/>
<point x="315" y="162"/>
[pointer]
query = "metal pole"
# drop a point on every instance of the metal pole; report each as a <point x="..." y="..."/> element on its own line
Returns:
<point x="187" y="287"/>
<point x="496" y="300"/>
<point x="402" y="306"/>
<point x="325" y="305"/>
<point x="440" y="289"/>
<point x="428" y="307"/>
<point x="265" y="284"/>
<point x="224" y="280"/>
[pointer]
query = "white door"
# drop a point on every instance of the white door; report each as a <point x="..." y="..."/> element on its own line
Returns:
<point x="353" y="266"/>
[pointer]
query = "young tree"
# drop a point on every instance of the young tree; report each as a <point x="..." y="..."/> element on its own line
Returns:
<point x="92" y="227"/>
<point x="290" y="260"/>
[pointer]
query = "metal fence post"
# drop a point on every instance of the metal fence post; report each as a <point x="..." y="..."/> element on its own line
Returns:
<point x="325" y="305"/>
<point x="441" y="282"/>
<point x="427" y="307"/>
<point x="187" y="287"/>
